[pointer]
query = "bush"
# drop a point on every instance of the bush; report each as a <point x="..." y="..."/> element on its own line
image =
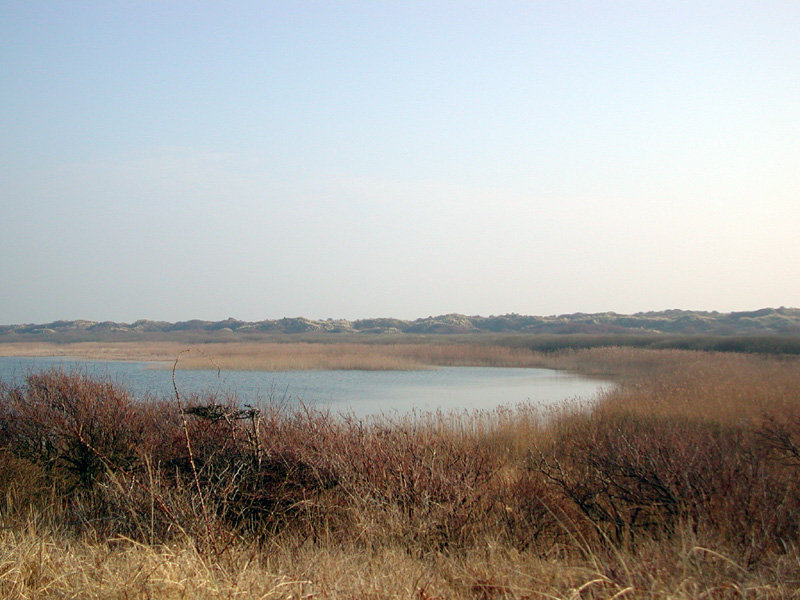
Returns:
<point x="72" y="425"/>
<point x="631" y="476"/>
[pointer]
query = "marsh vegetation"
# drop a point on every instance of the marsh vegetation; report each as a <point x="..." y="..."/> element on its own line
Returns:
<point x="681" y="482"/>
<point x="293" y="356"/>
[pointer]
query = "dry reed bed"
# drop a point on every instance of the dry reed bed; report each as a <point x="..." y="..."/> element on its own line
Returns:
<point x="291" y="356"/>
<point x="681" y="482"/>
<point x="306" y="355"/>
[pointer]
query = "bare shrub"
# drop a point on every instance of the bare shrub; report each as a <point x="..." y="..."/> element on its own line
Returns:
<point x="633" y="476"/>
<point x="73" y="425"/>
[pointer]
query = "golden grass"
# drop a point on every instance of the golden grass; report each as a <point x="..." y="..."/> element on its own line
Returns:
<point x="711" y="386"/>
<point x="289" y="356"/>
<point x="134" y="351"/>
<point x="41" y="564"/>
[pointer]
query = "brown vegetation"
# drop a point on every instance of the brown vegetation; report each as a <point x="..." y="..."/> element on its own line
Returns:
<point x="293" y="356"/>
<point x="682" y="482"/>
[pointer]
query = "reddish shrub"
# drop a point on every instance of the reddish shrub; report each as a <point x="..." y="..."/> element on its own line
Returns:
<point x="73" y="425"/>
<point x="632" y="475"/>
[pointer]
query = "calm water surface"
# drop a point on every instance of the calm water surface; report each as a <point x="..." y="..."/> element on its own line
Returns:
<point x="362" y="393"/>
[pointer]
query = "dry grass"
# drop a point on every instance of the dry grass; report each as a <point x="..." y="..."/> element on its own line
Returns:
<point x="37" y="564"/>
<point x="291" y="356"/>
<point x="135" y="351"/>
<point x="682" y="482"/>
<point x="303" y="356"/>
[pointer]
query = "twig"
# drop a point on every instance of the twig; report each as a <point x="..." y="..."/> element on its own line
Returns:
<point x="189" y="449"/>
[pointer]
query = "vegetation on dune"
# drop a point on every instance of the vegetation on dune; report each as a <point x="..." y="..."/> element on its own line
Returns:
<point x="681" y="482"/>
<point x="765" y="331"/>
<point x="682" y="322"/>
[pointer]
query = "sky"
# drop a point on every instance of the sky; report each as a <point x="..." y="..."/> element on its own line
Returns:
<point x="178" y="160"/>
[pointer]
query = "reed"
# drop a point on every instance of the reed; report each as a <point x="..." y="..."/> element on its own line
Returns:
<point x="293" y="356"/>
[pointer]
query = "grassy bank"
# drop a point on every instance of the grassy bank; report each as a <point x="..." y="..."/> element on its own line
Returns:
<point x="682" y="482"/>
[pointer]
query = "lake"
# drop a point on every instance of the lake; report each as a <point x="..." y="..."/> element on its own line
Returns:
<point x="361" y="393"/>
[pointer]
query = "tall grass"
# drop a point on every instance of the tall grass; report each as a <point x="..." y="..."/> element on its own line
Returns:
<point x="292" y="356"/>
<point x="680" y="482"/>
<point x="304" y="356"/>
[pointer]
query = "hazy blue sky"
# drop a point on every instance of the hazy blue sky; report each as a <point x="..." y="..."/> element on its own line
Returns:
<point x="176" y="160"/>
